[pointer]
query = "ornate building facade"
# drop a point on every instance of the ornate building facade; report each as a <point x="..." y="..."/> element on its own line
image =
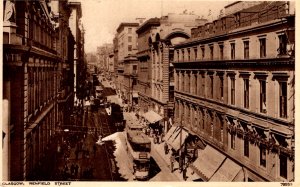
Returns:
<point x="37" y="60"/>
<point x="155" y="40"/>
<point x="235" y="89"/>
<point x="127" y="62"/>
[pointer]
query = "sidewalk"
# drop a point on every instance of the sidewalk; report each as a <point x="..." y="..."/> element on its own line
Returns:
<point x="159" y="148"/>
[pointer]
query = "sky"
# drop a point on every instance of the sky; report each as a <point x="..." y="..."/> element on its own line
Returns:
<point x="101" y="18"/>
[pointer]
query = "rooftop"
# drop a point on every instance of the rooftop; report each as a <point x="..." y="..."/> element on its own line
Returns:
<point x="125" y="24"/>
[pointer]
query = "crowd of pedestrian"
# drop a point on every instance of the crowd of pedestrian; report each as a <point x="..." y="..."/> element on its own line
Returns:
<point x="71" y="165"/>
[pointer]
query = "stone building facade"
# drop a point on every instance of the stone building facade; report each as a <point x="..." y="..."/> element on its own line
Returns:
<point x="235" y="89"/>
<point x="126" y="39"/>
<point x="155" y="40"/>
<point x="37" y="60"/>
<point x="79" y="68"/>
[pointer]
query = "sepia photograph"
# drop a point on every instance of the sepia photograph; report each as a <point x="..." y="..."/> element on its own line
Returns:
<point x="147" y="91"/>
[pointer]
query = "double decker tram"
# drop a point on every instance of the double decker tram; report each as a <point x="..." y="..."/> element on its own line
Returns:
<point x="139" y="147"/>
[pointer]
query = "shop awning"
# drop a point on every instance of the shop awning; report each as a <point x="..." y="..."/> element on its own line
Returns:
<point x="173" y="137"/>
<point x="152" y="116"/>
<point x="177" y="143"/>
<point x="227" y="172"/>
<point x="170" y="133"/>
<point x="196" y="145"/>
<point x="208" y="161"/>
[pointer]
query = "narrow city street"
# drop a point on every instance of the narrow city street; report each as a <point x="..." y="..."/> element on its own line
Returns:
<point x="102" y="160"/>
<point x="164" y="90"/>
<point x="95" y="162"/>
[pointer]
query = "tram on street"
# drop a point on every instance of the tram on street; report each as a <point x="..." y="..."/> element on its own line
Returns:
<point x="138" y="147"/>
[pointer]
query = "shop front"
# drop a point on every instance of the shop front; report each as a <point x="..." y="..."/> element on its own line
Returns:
<point x="155" y="125"/>
<point x="212" y="165"/>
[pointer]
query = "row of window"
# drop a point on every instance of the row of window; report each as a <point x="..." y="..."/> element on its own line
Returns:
<point x="157" y="73"/>
<point x="262" y="155"/>
<point x="40" y="34"/>
<point x="41" y="87"/>
<point x="157" y="56"/>
<point x="282" y="50"/>
<point x="212" y="86"/>
<point x="37" y="141"/>
<point x="201" y="120"/>
<point x="157" y="92"/>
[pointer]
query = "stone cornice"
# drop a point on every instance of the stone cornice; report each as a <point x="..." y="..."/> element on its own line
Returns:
<point x="227" y="64"/>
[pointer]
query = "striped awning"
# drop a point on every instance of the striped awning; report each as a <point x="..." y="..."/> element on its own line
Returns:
<point x="152" y="116"/>
<point x="208" y="161"/>
<point x="227" y="172"/>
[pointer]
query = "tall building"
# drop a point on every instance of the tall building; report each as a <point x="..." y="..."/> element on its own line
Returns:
<point x="111" y="67"/>
<point x="37" y="51"/>
<point x="103" y="53"/>
<point x="235" y="90"/>
<point x="127" y="62"/>
<point x="92" y="62"/>
<point x="115" y="52"/>
<point x="155" y="40"/>
<point x="79" y="62"/>
<point x="65" y="49"/>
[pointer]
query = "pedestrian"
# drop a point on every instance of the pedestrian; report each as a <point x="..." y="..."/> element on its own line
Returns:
<point x="155" y="139"/>
<point x="172" y="162"/>
<point x="181" y="164"/>
<point x="95" y="150"/>
<point x="66" y="170"/>
<point x="184" y="173"/>
<point x="162" y="137"/>
<point x="166" y="148"/>
<point x="76" y="170"/>
<point x="72" y="169"/>
<point x="158" y="138"/>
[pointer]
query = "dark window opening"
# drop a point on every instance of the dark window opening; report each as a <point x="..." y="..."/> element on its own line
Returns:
<point x="283" y="99"/>
<point x="232" y="51"/>
<point x="262" y="44"/>
<point x="283" y="165"/>
<point x="263" y="156"/>
<point x="221" y="87"/>
<point x="246" y="49"/>
<point x="246" y="147"/>
<point x="232" y="90"/>
<point x="221" y="52"/>
<point x="211" y="53"/>
<point x="282" y="44"/>
<point x="263" y="103"/>
<point x="246" y="93"/>
<point x="232" y="141"/>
